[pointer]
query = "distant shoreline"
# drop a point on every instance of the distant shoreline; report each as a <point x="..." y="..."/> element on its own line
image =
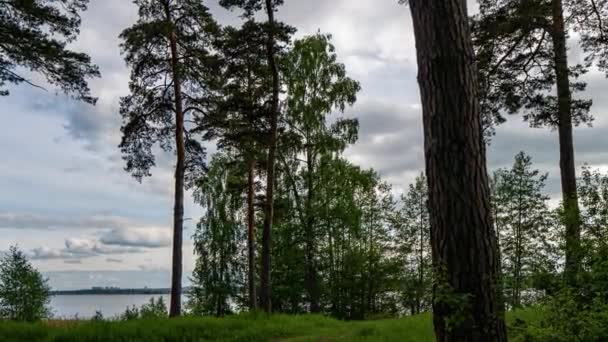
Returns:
<point x="113" y="291"/>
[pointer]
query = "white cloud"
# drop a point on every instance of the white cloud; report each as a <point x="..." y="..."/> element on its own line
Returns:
<point x="138" y="237"/>
<point x="79" y="248"/>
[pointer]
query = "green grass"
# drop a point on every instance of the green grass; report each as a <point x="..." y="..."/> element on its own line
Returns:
<point x="250" y="328"/>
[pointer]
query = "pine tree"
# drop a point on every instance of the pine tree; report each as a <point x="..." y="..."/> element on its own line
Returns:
<point x="34" y="35"/>
<point x="171" y="80"/>
<point x="524" y="67"/>
<point x="239" y="124"/>
<point x="591" y="17"/>
<point x="465" y="253"/>
<point x="270" y="6"/>
<point x="524" y="224"/>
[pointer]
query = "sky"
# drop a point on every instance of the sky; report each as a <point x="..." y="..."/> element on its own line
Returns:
<point x="66" y="200"/>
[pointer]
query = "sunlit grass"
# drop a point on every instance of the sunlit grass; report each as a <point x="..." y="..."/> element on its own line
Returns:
<point x="247" y="327"/>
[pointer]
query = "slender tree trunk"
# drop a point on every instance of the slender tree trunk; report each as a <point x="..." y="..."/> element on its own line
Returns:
<point x="517" y="270"/>
<point x="332" y="270"/>
<point x="518" y="251"/>
<point x="253" y="303"/>
<point x="421" y="261"/>
<point x="463" y="240"/>
<point x="178" y="211"/>
<point x="370" y="270"/>
<point x="266" y="286"/>
<point x="311" y="270"/>
<point x="566" y="146"/>
<point x="497" y="229"/>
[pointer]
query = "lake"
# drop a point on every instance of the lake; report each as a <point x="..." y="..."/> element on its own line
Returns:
<point x="84" y="306"/>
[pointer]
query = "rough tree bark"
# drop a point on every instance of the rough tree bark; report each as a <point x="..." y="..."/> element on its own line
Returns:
<point x="566" y="145"/>
<point x="463" y="240"/>
<point x="178" y="210"/>
<point x="266" y="284"/>
<point x="253" y="303"/>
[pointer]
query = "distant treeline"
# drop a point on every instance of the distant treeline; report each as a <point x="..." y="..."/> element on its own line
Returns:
<point x="114" y="291"/>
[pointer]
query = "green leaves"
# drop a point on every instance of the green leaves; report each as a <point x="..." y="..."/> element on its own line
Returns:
<point x="593" y="193"/>
<point x="154" y="309"/>
<point x="316" y="82"/>
<point x="317" y="86"/>
<point x="34" y="35"/>
<point x="218" y="241"/>
<point x="526" y="229"/>
<point x="413" y="229"/>
<point x="24" y="293"/>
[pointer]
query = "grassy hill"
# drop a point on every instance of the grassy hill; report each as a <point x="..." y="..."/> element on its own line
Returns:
<point x="248" y="328"/>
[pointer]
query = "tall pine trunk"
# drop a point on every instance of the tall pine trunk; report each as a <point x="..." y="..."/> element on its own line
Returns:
<point x="253" y="304"/>
<point x="266" y="284"/>
<point x="463" y="240"/>
<point x="178" y="210"/>
<point x="572" y="218"/>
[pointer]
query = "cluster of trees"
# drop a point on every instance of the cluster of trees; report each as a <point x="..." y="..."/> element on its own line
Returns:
<point x="333" y="239"/>
<point x="339" y="261"/>
<point x="371" y="251"/>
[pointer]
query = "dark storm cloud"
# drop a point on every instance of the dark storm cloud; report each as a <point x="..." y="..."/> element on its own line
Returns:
<point x="88" y="125"/>
<point x="390" y="140"/>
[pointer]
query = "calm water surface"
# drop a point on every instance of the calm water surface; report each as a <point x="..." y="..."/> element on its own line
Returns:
<point x="84" y="306"/>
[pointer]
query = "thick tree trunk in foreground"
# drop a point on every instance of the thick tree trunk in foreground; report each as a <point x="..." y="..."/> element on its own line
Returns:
<point x="463" y="240"/>
<point x="266" y="286"/>
<point x="566" y="146"/>
<point x="178" y="210"/>
<point x="253" y="303"/>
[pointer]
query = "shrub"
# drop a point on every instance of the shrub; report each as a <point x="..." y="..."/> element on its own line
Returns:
<point x="98" y="317"/>
<point x="156" y="308"/>
<point x="131" y="313"/>
<point x="24" y="292"/>
<point x="575" y="313"/>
